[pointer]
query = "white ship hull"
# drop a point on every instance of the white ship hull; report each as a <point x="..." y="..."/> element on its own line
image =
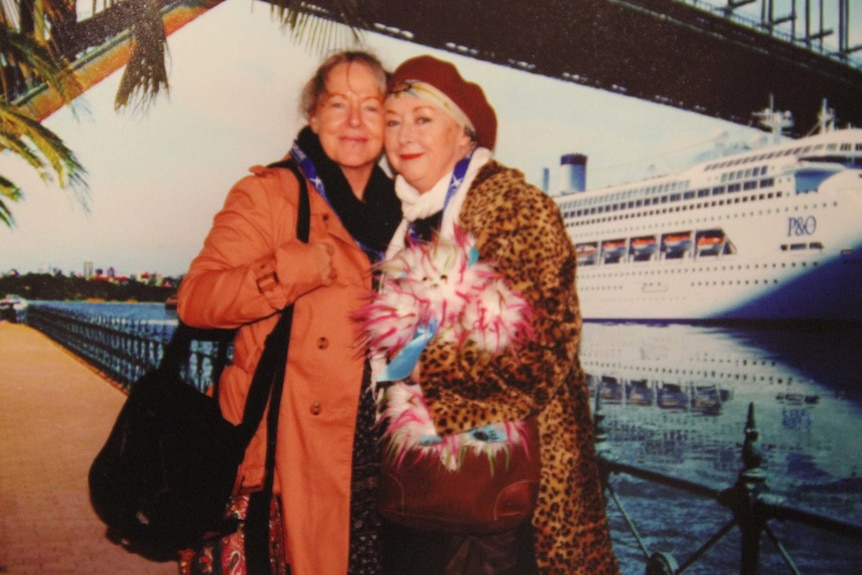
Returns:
<point x="769" y="234"/>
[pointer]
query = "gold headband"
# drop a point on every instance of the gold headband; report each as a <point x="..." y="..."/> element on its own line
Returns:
<point x="429" y="93"/>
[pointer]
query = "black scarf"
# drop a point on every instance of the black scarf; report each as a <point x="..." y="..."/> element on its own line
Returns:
<point x="371" y="221"/>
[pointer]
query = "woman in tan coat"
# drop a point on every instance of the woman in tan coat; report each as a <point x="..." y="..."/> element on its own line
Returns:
<point x="252" y="265"/>
<point x="439" y="137"/>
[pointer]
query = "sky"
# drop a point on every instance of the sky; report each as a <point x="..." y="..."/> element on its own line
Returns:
<point x="156" y="180"/>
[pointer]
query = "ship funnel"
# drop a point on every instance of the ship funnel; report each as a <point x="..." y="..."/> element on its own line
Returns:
<point x="574" y="172"/>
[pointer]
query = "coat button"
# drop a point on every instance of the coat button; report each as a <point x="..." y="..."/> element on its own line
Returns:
<point x="322" y="343"/>
<point x="315" y="408"/>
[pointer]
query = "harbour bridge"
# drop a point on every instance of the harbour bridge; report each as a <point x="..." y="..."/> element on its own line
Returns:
<point x="719" y="58"/>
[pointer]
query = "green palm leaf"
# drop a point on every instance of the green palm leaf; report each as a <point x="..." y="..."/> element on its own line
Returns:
<point x="45" y="152"/>
<point x="28" y="59"/>
<point x="8" y="191"/>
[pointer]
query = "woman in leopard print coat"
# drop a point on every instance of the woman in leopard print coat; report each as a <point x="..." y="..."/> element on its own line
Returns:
<point x="439" y="133"/>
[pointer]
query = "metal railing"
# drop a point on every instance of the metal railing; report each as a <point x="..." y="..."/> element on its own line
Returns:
<point x="123" y="350"/>
<point x="752" y="507"/>
<point x="126" y="349"/>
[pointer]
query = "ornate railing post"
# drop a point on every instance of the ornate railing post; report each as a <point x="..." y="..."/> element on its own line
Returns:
<point x="600" y="435"/>
<point x="742" y="498"/>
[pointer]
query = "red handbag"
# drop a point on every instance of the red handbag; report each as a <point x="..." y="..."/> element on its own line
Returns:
<point x="487" y="491"/>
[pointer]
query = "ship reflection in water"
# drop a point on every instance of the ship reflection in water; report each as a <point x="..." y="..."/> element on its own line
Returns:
<point x="675" y="399"/>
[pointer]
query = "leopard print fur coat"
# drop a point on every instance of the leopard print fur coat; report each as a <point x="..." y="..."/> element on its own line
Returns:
<point x="520" y="229"/>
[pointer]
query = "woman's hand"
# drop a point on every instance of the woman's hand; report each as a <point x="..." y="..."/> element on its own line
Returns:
<point x="323" y="256"/>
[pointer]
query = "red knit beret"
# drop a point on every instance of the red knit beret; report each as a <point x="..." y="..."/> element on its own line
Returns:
<point x="445" y="77"/>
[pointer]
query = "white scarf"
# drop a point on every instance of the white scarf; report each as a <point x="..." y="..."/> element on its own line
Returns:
<point x="416" y="205"/>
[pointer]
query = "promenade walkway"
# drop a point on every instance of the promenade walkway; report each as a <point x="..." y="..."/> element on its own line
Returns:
<point x="55" y="414"/>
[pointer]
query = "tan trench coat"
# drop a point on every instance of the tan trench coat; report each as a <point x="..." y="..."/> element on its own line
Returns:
<point x="252" y="237"/>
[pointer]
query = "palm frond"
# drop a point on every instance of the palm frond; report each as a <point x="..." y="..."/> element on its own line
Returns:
<point x="44" y="151"/>
<point x="29" y="62"/>
<point x="146" y="74"/>
<point x="321" y="30"/>
<point x="12" y="193"/>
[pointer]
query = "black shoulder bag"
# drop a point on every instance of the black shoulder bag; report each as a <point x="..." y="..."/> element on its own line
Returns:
<point x="163" y="478"/>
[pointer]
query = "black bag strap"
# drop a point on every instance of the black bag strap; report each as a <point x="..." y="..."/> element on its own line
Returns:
<point x="269" y="375"/>
<point x="271" y="368"/>
<point x="266" y="387"/>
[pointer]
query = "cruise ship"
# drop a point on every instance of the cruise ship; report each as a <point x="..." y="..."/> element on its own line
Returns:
<point x="773" y="233"/>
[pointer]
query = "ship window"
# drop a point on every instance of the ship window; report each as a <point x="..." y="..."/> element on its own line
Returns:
<point x="675" y="197"/>
<point x="749" y="185"/>
<point x="831" y="147"/>
<point x="748" y="173"/>
<point x="717" y="191"/>
<point x="845" y="147"/>
<point x="810" y="179"/>
<point x="733" y="188"/>
<point x="703" y="192"/>
<point x="816" y="245"/>
<point x="639" y="203"/>
<point x="688" y="195"/>
<point x="858" y="147"/>
<point x="664" y="199"/>
<point x="797" y="247"/>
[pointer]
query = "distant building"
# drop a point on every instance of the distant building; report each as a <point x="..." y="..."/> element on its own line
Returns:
<point x="88" y="270"/>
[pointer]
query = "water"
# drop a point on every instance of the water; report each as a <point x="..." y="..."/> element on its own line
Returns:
<point x="806" y="389"/>
<point x="804" y="384"/>
<point x="151" y="313"/>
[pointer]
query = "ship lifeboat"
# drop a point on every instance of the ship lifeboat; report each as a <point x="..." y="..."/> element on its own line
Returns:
<point x="710" y="245"/>
<point x="613" y="250"/>
<point x="643" y="244"/>
<point x="677" y="242"/>
<point x="586" y="253"/>
<point x="643" y="248"/>
<point x="672" y="396"/>
<point x="610" y="390"/>
<point x="707" y="399"/>
<point x="708" y="241"/>
<point x="613" y="246"/>
<point x="639" y="392"/>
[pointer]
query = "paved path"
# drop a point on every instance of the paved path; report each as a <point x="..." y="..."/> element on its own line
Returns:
<point x="55" y="414"/>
